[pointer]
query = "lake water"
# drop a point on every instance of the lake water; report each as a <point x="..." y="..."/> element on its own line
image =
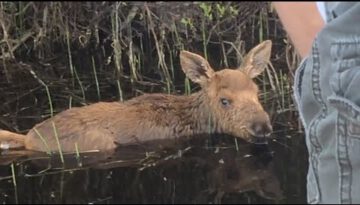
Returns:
<point x="205" y="170"/>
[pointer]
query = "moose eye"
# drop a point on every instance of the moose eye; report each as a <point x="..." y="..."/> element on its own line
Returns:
<point x="225" y="102"/>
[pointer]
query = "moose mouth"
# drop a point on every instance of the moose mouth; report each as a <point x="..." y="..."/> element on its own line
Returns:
<point x="258" y="139"/>
<point x="251" y="137"/>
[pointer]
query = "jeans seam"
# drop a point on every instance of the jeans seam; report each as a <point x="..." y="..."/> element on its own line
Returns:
<point x="345" y="169"/>
<point x="315" y="79"/>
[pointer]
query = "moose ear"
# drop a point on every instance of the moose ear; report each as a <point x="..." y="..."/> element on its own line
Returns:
<point x="257" y="59"/>
<point x="195" y="67"/>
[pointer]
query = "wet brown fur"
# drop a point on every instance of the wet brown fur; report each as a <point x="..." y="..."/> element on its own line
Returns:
<point x="103" y="125"/>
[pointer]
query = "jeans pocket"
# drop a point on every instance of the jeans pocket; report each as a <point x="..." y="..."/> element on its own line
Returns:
<point x="345" y="82"/>
<point x="345" y="99"/>
<point x="348" y="110"/>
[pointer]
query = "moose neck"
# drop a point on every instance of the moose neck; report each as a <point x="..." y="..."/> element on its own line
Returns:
<point x="195" y="113"/>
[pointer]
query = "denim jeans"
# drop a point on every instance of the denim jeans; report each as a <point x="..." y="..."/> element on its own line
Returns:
<point x="327" y="93"/>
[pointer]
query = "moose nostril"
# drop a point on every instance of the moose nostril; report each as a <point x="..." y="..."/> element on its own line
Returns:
<point x="257" y="127"/>
<point x="261" y="129"/>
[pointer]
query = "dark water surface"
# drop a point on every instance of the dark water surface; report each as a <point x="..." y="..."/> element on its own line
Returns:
<point x="204" y="170"/>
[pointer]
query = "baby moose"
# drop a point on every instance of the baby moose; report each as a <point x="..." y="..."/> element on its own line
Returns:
<point x="228" y="100"/>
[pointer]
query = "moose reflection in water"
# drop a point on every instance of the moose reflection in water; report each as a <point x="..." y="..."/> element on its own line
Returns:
<point x="189" y="173"/>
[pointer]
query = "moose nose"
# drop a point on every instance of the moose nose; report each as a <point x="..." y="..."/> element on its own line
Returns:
<point x="261" y="129"/>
